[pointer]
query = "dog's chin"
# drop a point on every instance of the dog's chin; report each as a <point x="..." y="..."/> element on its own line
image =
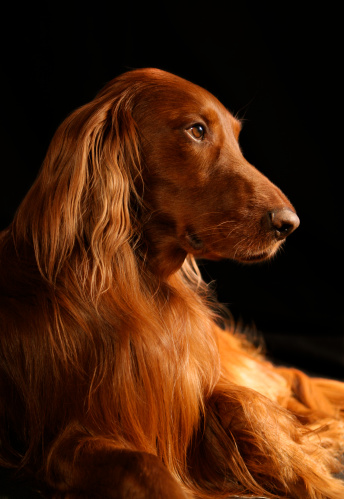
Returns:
<point x="261" y="256"/>
<point x="244" y="257"/>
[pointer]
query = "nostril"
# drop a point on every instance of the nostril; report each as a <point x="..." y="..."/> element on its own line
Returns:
<point x="283" y="221"/>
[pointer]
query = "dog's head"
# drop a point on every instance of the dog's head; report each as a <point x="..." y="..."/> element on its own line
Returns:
<point x="151" y="164"/>
<point x="204" y="198"/>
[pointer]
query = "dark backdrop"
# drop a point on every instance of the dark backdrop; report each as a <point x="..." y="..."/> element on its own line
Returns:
<point x="277" y="65"/>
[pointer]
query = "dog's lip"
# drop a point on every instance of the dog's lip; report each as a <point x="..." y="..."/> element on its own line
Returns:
<point x="193" y="240"/>
<point x="257" y="257"/>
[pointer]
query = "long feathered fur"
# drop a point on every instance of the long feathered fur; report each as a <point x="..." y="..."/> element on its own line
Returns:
<point x="111" y="351"/>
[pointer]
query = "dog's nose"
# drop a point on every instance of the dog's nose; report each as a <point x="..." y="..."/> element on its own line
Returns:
<point x="283" y="221"/>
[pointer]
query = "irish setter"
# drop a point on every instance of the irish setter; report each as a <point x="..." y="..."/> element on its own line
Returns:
<point x="118" y="377"/>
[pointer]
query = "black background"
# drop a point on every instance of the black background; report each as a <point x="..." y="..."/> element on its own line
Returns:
<point x="277" y="65"/>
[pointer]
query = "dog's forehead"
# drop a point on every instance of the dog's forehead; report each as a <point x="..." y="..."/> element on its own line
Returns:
<point x="177" y="100"/>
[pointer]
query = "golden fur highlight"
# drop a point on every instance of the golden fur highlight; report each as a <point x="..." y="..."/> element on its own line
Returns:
<point x="111" y="348"/>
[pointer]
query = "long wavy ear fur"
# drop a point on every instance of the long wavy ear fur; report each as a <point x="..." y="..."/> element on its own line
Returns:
<point x="82" y="205"/>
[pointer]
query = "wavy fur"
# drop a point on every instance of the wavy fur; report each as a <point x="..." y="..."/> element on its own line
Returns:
<point x="116" y="379"/>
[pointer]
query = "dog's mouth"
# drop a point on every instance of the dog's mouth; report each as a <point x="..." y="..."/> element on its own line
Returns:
<point x="265" y="255"/>
<point x="196" y="245"/>
<point x="195" y="241"/>
<point x="258" y="257"/>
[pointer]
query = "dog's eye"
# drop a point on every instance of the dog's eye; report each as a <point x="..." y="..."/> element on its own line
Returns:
<point x="197" y="131"/>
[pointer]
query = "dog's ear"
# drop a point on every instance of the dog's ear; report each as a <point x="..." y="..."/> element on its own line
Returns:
<point x="80" y="205"/>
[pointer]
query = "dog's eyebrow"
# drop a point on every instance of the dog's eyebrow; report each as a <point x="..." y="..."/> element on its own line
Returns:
<point x="237" y="125"/>
<point x="238" y="122"/>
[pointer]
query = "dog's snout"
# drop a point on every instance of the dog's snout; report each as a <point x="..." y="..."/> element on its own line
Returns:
<point x="283" y="221"/>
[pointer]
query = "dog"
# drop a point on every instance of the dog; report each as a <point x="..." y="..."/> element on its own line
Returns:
<point x="120" y="378"/>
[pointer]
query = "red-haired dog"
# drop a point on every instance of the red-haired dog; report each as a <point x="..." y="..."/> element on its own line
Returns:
<point x="116" y="379"/>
